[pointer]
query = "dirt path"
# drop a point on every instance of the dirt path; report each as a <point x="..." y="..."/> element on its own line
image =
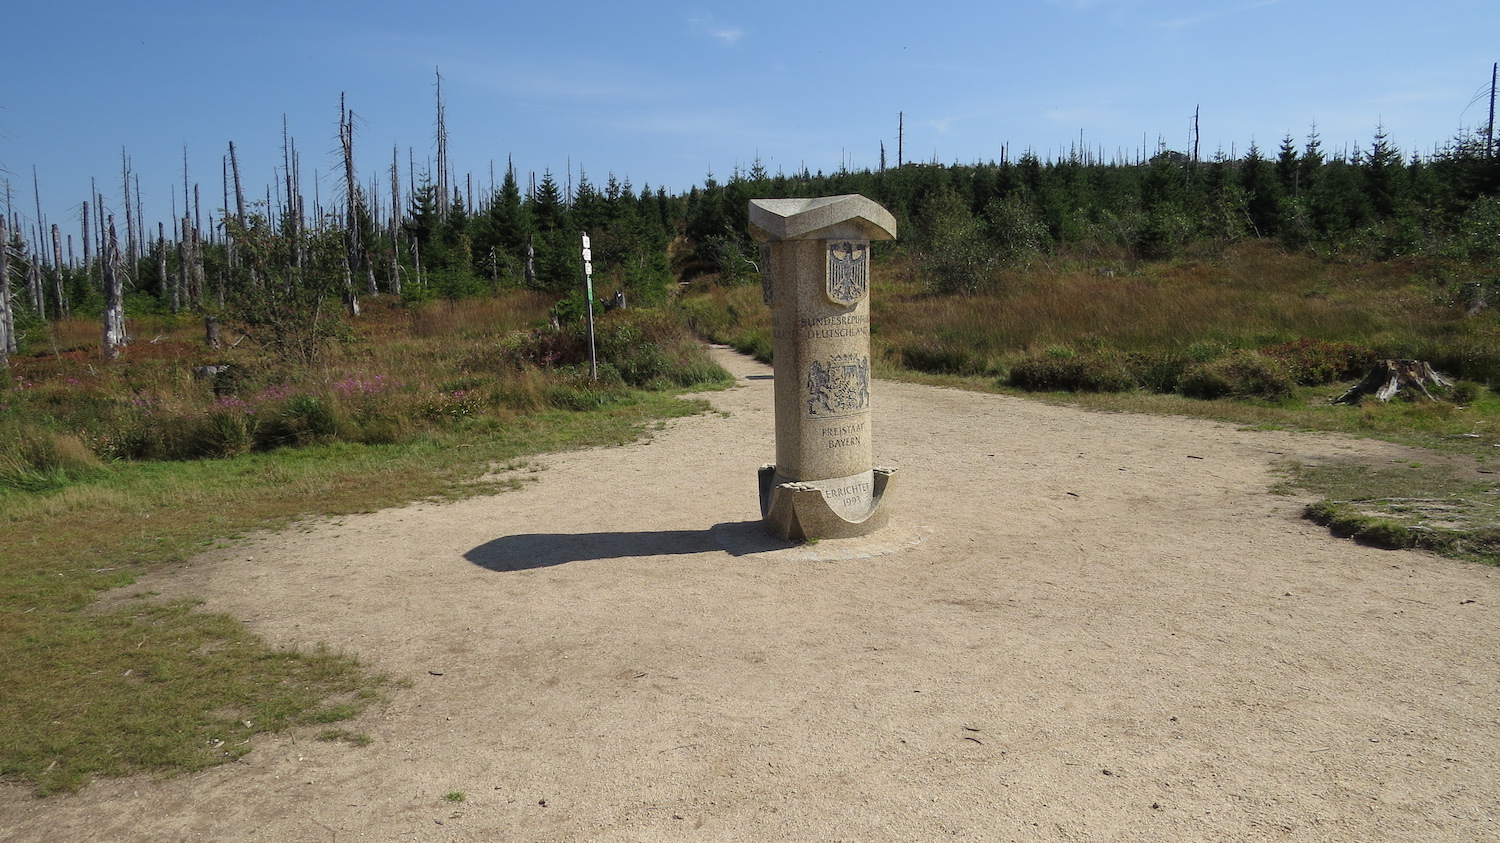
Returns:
<point x="1081" y="626"/>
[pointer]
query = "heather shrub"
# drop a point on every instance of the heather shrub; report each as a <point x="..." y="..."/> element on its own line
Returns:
<point x="643" y="348"/>
<point x="1159" y="372"/>
<point x="1063" y="369"/>
<point x="300" y="419"/>
<point x="941" y="358"/>
<point x="1317" y="362"/>
<point x="1242" y="374"/>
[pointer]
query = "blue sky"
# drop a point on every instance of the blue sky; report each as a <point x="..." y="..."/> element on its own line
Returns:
<point x="665" y="93"/>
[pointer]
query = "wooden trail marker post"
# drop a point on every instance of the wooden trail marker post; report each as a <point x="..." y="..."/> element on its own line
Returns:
<point x="588" y="297"/>
<point x="815" y="272"/>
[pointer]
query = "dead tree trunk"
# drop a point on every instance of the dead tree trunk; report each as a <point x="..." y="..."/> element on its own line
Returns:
<point x="200" y="277"/>
<point x="194" y="295"/>
<point x="395" y="281"/>
<point x="88" y="258"/>
<point x="1387" y="378"/>
<point x="114" y="297"/>
<point x="530" y="263"/>
<point x="59" y="287"/>
<point x="34" y="287"/>
<point x="130" y="253"/>
<point x="442" y="152"/>
<point x="174" y="293"/>
<point x="8" y="344"/>
<point x="351" y="216"/>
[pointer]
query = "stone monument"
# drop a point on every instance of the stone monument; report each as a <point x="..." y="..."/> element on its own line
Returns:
<point x="815" y="271"/>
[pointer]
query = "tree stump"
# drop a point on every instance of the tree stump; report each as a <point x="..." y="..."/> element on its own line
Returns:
<point x="1389" y="377"/>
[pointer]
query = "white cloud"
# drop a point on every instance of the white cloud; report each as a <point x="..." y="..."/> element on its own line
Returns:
<point x="729" y="34"/>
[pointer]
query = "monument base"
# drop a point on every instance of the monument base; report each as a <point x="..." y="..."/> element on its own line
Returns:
<point x="824" y="509"/>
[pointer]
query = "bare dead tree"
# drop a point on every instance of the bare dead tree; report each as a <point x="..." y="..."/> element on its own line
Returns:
<point x="1196" y="135"/>
<point x="442" y="151"/>
<point x="88" y="258"/>
<point x="187" y="199"/>
<point x="530" y="262"/>
<point x="293" y="214"/>
<point x="37" y="189"/>
<point x="190" y="259"/>
<point x="174" y="289"/>
<point x="239" y="194"/>
<point x="59" y="289"/>
<point x="199" y="278"/>
<point x="8" y="342"/>
<point x="351" y="213"/>
<point x="34" y="288"/>
<point x="1489" y="131"/>
<point x="114" y="296"/>
<point x="395" y="223"/>
<point x="99" y="235"/>
<point x="900" y="138"/>
<point x="140" y="216"/>
<point x="130" y="252"/>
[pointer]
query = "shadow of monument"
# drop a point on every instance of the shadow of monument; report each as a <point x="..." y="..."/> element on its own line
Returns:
<point x="542" y="550"/>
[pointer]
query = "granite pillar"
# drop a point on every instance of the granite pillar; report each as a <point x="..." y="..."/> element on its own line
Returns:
<point x="815" y="268"/>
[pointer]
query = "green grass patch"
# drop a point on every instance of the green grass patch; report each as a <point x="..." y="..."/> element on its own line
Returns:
<point x="164" y="688"/>
<point x="110" y="469"/>
<point x="1445" y="506"/>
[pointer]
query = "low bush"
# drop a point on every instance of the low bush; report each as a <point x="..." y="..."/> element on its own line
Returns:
<point x="937" y="357"/>
<point x="301" y="419"/>
<point x="1241" y="374"/>
<point x="1159" y="372"/>
<point x="1063" y="369"/>
<point x="644" y="348"/>
<point x="1318" y="362"/>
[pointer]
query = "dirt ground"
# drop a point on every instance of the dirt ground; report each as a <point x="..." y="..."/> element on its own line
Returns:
<point x="1080" y="626"/>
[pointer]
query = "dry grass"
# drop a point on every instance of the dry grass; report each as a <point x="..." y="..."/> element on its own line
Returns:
<point x="1249" y="297"/>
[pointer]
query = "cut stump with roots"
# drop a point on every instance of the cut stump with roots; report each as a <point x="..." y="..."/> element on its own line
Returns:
<point x="1389" y="377"/>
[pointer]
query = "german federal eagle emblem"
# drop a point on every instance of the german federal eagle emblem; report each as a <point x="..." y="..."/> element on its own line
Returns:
<point x="848" y="271"/>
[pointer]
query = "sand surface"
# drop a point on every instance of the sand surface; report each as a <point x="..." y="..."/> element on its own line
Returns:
<point x="1080" y="626"/>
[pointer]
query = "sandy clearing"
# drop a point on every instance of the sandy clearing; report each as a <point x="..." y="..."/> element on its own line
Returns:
<point x="1081" y="626"/>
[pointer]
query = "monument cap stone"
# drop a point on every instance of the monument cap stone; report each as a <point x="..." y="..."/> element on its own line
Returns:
<point x="822" y="218"/>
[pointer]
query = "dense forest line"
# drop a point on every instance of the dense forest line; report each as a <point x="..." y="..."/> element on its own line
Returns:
<point x="268" y="265"/>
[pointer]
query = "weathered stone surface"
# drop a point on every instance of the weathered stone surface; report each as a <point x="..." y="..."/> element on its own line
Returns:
<point x="816" y="272"/>
<point x="821" y="218"/>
